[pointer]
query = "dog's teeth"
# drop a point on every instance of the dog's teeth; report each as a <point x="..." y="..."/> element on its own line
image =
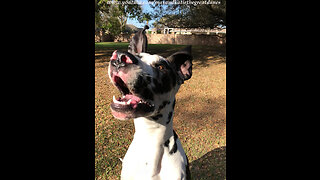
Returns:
<point x="140" y="101"/>
<point x="123" y="103"/>
<point x="129" y="101"/>
<point x="118" y="102"/>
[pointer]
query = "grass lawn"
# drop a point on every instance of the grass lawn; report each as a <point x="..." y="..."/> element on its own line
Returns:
<point x="199" y="117"/>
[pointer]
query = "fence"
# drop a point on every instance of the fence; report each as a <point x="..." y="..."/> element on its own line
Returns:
<point x="194" y="39"/>
<point x="211" y="40"/>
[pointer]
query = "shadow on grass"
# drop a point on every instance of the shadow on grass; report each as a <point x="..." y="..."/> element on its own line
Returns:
<point x="194" y="113"/>
<point x="210" y="166"/>
<point x="204" y="55"/>
<point x="206" y="113"/>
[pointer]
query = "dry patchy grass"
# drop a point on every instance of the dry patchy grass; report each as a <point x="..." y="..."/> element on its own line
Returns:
<point x="199" y="117"/>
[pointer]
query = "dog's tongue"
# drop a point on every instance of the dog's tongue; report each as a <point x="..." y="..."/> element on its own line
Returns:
<point x="127" y="100"/>
<point x="132" y="97"/>
<point x="134" y="100"/>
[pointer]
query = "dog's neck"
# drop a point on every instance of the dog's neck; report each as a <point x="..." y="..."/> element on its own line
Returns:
<point x="151" y="133"/>
<point x="157" y="128"/>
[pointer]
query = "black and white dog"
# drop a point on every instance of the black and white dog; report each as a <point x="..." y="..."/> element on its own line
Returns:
<point x="148" y="84"/>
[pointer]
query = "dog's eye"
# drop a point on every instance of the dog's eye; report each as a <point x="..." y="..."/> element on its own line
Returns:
<point x="160" y="67"/>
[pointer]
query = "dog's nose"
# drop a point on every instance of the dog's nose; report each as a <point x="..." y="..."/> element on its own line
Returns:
<point x="120" y="59"/>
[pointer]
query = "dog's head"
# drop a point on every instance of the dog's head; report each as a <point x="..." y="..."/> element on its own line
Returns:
<point x="146" y="81"/>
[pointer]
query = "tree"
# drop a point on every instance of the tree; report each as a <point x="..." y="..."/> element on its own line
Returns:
<point x="111" y="15"/>
<point x="190" y="15"/>
<point x="146" y="17"/>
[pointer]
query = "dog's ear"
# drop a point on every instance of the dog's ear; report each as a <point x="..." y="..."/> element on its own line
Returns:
<point x="139" y="42"/>
<point x="182" y="62"/>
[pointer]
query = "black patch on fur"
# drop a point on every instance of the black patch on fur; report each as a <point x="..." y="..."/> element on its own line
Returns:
<point x="175" y="147"/>
<point x="148" y="79"/>
<point x="173" y="104"/>
<point x="168" y="72"/>
<point x="164" y="103"/>
<point x="158" y="87"/>
<point x="165" y="84"/>
<point x="166" y="144"/>
<point x="175" y="135"/>
<point x="156" y="117"/>
<point x="140" y="87"/>
<point x="174" y="78"/>
<point x="169" y="117"/>
<point x="147" y="94"/>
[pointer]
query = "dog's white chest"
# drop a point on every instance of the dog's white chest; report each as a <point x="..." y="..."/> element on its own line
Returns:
<point x="149" y="157"/>
<point x="145" y="161"/>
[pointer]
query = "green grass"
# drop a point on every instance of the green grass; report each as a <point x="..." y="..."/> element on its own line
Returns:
<point x="103" y="45"/>
<point x="106" y="48"/>
<point x="199" y="117"/>
<point x="110" y="45"/>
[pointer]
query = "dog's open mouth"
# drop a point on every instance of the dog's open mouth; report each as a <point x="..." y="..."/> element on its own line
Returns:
<point x="129" y="105"/>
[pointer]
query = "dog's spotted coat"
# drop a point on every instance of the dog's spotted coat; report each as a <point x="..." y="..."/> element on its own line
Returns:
<point x="149" y="84"/>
